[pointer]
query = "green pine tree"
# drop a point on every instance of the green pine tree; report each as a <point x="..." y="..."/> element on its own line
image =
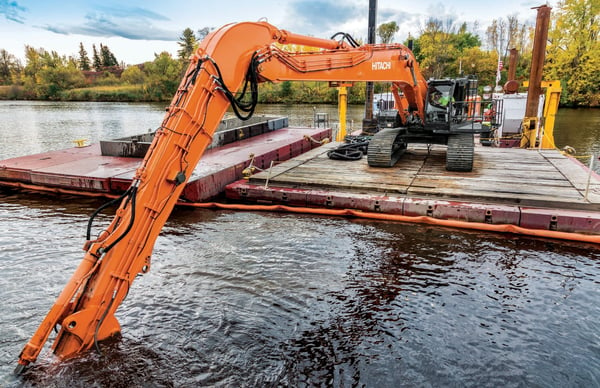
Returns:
<point x="84" y="61"/>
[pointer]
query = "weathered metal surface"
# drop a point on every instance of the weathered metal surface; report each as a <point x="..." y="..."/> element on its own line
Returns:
<point x="221" y="166"/>
<point x="561" y="220"/>
<point x="131" y="147"/>
<point x="462" y="211"/>
<point x="230" y="130"/>
<point x="21" y="168"/>
<point x="85" y="169"/>
<point x="242" y="191"/>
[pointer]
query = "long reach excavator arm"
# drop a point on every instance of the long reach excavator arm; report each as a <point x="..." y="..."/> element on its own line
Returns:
<point x="236" y="54"/>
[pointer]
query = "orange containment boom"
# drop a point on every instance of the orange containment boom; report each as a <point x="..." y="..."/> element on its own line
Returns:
<point x="227" y="58"/>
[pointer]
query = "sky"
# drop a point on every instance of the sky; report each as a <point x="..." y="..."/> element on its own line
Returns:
<point x="136" y="30"/>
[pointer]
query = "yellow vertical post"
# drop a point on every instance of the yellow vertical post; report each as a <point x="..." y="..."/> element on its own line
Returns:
<point x="342" y="105"/>
<point x="553" y="90"/>
<point x="529" y="135"/>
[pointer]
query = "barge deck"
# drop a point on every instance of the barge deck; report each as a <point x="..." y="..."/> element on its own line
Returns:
<point x="537" y="189"/>
<point x="86" y="170"/>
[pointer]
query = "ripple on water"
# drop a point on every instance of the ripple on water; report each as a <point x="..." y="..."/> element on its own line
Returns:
<point x="255" y="299"/>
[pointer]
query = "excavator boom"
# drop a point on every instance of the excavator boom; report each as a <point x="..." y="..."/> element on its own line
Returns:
<point x="226" y="59"/>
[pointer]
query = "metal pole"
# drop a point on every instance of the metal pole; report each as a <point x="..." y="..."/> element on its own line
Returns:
<point x="512" y="64"/>
<point x="530" y="122"/>
<point x="537" y="60"/>
<point x="342" y="105"/>
<point x="589" y="177"/>
<point x="368" y="122"/>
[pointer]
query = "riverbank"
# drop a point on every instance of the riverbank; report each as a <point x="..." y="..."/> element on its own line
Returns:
<point x="120" y="93"/>
<point x="283" y="93"/>
<point x="310" y="93"/>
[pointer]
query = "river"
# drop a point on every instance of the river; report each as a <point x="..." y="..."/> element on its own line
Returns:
<point x="265" y="299"/>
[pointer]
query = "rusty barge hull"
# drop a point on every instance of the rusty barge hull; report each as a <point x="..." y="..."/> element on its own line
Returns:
<point x="536" y="189"/>
<point x="86" y="170"/>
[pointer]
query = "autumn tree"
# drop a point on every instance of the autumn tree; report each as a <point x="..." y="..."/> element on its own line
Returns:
<point x="10" y="67"/>
<point x="33" y="65"/>
<point x="440" y="45"/>
<point x="463" y="39"/>
<point x="574" y="51"/>
<point x="481" y="63"/>
<point x="434" y="52"/>
<point x="162" y="77"/>
<point x="133" y="75"/>
<point x="46" y="73"/>
<point x="386" y="31"/>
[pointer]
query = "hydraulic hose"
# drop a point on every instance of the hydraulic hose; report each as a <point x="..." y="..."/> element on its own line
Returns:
<point x="350" y="151"/>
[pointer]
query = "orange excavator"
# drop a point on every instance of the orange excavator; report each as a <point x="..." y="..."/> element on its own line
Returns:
<point x="234" y="55"/>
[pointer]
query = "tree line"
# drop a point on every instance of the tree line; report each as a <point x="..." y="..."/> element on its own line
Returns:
<point x="442" y="47"/>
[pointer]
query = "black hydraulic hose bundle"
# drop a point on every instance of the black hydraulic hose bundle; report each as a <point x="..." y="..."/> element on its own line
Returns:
<point x="346" y="36"/>
<point x="237" y="103"/>
<point x="349" y="151"/>
<point x="101" y="208"/>
<point x="130" y="194"/>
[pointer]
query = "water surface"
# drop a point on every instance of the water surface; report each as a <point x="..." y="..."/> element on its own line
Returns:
<point x="272" y="299"/>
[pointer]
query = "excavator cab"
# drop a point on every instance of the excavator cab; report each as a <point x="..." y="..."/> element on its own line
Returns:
<point x="439" y="105"/>
<point x="445" y="108"/>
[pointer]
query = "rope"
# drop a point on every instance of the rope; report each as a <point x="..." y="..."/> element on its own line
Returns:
<point x="249" y="171"/>
<point x="312" y="139"/>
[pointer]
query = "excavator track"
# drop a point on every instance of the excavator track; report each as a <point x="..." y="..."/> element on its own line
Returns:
<point x="386" y="147"/>
<point x="459" y="156"/>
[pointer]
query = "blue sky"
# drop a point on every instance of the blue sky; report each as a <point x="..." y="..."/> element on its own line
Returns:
<point x="135" y="30"/>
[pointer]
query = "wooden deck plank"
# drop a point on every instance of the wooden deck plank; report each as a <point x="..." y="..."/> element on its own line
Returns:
<point x="495" y="181"/>
<point x="495" y="191"/>
<point x="500" y="175"/>
<point x="522" y="199"/>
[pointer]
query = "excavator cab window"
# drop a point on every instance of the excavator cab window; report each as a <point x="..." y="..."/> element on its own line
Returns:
<point x="439" y="103"/>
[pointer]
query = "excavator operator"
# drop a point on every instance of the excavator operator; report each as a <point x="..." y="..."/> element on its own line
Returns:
<point x="440" y="99"/>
